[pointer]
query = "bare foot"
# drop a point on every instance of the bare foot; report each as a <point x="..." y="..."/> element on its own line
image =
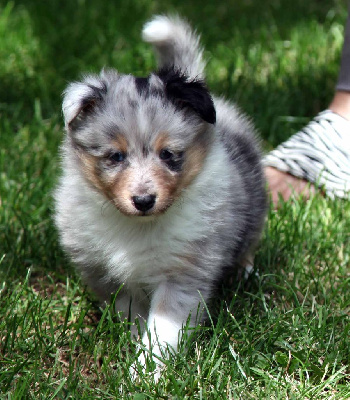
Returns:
<point x="286" y="185"/>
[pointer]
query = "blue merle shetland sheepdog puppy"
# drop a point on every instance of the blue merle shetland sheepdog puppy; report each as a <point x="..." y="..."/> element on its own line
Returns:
<point x="162" y="190"/>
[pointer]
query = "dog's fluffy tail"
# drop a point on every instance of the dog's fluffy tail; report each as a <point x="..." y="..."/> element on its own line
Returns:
<point x="176" y="45"/>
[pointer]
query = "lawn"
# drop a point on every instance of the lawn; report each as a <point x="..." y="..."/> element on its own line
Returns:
<point x="282" y="334"/>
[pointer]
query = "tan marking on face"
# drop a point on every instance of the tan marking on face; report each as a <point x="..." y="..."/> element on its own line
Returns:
<point x="170" y="184"/>
<point x="161" y="142"/>
<point x="166" y="180"/>
<point x="121" y="193"/>
<point x="164" y="183"/>
<point x="163" y="186"/>
<point x="89" y="165"/>
<point x="120" y="143"/>
<point x="103" y="183"/>
<point x="193" y="164"/>
<point x="167" y="187"/>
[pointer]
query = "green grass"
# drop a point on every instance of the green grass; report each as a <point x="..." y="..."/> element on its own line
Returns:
<point x="283" y="335"/>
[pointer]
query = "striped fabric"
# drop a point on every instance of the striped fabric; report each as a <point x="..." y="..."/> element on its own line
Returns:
<point x="319" y="153"/>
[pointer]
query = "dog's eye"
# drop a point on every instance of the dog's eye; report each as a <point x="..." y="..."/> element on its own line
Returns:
<point x="173" y="161"/>
<point x="166" y="155"/>
<point x="117" y="157"/>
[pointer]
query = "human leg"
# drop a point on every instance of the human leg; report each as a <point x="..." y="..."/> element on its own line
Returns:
<point x="319" y="153"/>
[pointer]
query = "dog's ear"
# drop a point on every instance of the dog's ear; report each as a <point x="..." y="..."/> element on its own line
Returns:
<point x="188" y="93"/>
<point x="80" y="100"/>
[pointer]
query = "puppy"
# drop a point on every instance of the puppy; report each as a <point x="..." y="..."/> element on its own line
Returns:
<point x="162" y="190"/>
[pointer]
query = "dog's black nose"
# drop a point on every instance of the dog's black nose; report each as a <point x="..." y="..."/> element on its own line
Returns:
<point x="144" y="203"/>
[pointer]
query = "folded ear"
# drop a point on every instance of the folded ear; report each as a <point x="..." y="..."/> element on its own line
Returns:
<point x="81" y="99"/>
<point x="188" y="93"/>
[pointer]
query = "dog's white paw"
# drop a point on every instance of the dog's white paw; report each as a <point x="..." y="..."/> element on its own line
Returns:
<point x="157" y="30"/>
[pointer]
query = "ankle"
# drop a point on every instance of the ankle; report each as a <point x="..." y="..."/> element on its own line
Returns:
<point x="341" y="104"/>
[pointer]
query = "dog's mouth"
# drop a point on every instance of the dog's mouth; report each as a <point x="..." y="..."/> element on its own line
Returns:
<point x="145" y="218"/>
<point x="144" y="214"/>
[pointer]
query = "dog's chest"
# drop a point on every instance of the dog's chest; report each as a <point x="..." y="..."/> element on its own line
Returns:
<point x="146" y="252"/>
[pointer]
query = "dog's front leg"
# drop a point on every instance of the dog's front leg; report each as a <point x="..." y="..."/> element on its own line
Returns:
<point x="132" y="308"/>
<point x="171" y="306"/>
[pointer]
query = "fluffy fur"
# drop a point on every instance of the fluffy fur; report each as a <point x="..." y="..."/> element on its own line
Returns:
<point x="162" y="188"/>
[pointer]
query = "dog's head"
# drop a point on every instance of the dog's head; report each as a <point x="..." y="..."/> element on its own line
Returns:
<point x="139" y="141"/>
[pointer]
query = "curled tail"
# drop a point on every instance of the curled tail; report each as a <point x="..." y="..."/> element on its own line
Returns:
<point x="176" y="45"/>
